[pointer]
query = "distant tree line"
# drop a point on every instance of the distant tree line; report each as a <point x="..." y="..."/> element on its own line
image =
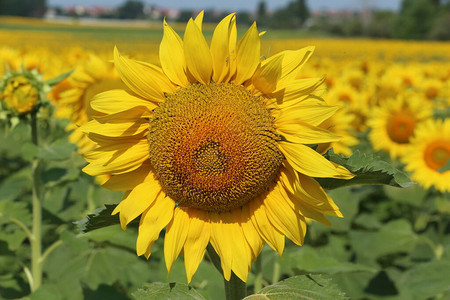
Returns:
<point x="417" y="19"/>
<point x="24" y="8"/>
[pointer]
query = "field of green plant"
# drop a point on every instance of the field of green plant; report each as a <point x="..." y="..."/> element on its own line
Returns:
<point x="392" y="243"/>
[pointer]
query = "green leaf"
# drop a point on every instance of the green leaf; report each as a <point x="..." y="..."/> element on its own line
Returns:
<point x="368" y="170"/>
<point x="442" y="204"/>
<point x="15" y="185"/>
<point x="58" y="150"/>
<point x="29" y="151"/>
<point x="56" y="175"/>
<point x="395" y="236"/>
<point x="14" y="209"/>
<point x="113" y="235"/>
<point x="46" y="292"/>
<point x="99" y="218"/>
<point x="164" y="291"/>
<point x="307" y="260"/>
<point x="317" y="287"/>
<point x="58" y="78"/>
<point x="413" y="195"/>
<point x="425" y="281"/>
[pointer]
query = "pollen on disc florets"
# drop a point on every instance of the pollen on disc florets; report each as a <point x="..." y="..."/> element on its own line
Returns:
<point x="213" y="147"/>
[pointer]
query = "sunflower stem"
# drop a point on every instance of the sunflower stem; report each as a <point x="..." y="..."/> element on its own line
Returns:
<point x="235" y="289"/>
<point x="276" y="272"/>
<point x="258" y="274"/>
<point x="215" y="259"/>
<point x="36" y="240"/>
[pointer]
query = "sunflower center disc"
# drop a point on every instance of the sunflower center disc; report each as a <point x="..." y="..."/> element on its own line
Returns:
<point x="437" y="154"/>
<point x="400" y="127"/>
<point x="213" y="147"/>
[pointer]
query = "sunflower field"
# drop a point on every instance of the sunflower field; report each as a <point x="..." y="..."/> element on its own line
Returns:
<point x="214" y="161"/>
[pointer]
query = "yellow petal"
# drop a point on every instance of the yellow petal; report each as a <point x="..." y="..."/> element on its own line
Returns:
<point x="323" y="202"/>
<point x="128" y="181"/>
<point x="129" y="115"/>
<point x="307" y="161"/>
<point x="197" y="239"/>
<point x="171" y="56"/>
<point x="284" y="217"/>
<point x="312" y="194"/>
<point x="304" y="133"/>
<point x="220" y="51"/>
<point x="153" y="220"/>
<point x="292" y="92"/>
<point x="301" y="201"/>
<point x="266" y="77"/>
<point x="304" y="208"/>
<point x="251" y="234"/>
<point x="221" y="242"/>
<point x="197" y="54"/>
<point x="176" y="235"/>
<point x="114" y="101"/>
<point x="137" y="201"/>
<point x="232" y="50"/>
<point x="199" y="19"/>
<point x="248" y="55"/>
<point x="116" y="158"/>
<point x="272" y="236"/>
<point x="116" y="129"/>
<point x="293" y="60"/>
<point x="241" y="252"/>
<point x="311" y="114"/>
<point x="147" y="81"/>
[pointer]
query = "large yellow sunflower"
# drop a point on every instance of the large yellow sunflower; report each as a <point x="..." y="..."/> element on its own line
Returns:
<point x="429" y="153"/>
<point x="215" y="145"/>
<point x="392" y="124"/>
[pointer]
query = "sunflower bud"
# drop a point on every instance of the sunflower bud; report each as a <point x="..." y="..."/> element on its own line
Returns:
<point x="24" y="92"/>
<point x="19" y="94"/>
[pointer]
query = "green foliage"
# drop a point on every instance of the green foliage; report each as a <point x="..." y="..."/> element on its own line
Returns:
<point x="98" y="219"/>
<point x="381" y="25"/>
<point x="368" y="170"/>
<point x="293" y="15"/>
<point x="415" y="19"/>
<point x="27" y="8"/>
<point x="301" y="287"/>
<point x="131" y="9"/>
<point x="167" y="291"/>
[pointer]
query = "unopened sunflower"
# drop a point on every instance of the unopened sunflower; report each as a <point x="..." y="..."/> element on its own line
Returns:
<point x="429" y="155"/>
<point x="392" y="124"/>
<point x="216" y="146"/>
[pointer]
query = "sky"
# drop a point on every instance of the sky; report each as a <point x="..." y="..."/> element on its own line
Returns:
<point x="234" y="5"/>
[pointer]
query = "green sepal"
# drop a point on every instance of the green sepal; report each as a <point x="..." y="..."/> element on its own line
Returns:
<point x="58" y="79"/>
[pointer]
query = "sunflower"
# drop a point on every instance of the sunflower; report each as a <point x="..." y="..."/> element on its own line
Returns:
<point x="429" y="153"/>
<point x="392" y="124"/>
<point x="214" y="146"/>
<point x="72" y="95"/>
